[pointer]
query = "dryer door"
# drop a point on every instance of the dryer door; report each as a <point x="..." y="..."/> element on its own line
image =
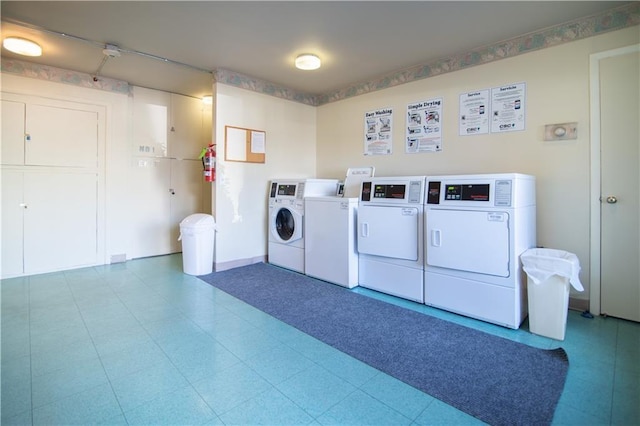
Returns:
<point x="389" y="231"/>
<point x="286" y="225"/>
<point x="472" y="241"/>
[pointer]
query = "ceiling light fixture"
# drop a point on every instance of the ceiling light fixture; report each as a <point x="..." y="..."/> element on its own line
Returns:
<point x="307" y="61"/>
<point x="22" y="46"/>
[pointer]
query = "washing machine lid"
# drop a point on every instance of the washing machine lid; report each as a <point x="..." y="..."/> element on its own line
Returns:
<point x="285" y="224"/>
<point x="354" y="178"/>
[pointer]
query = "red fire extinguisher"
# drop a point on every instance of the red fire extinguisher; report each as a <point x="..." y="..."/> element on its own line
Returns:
<point x="209" y="162"/>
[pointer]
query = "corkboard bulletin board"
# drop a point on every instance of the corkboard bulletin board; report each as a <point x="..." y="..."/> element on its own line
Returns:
<point x="244" y="145"/>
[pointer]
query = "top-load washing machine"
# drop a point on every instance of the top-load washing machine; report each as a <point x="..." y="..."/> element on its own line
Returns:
<point x="390" y="236"/>
<point x="330" y="232"/>
<point x="286" y="216"/>
<point x="476" y="228"/>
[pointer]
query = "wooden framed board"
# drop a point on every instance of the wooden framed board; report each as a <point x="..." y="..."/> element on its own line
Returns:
<point x="244" y="145"/>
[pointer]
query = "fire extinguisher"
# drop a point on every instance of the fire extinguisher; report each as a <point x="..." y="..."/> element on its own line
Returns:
<point x="209" y="163"/>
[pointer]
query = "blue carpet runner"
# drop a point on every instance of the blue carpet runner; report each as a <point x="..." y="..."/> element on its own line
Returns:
<point x="496" y="380"/>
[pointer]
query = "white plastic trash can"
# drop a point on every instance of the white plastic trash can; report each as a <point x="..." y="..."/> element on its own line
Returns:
<point x="197" y="233"/>
<point x="550" y="272"/>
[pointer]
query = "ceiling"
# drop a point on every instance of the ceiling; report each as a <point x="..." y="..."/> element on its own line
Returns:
<point x="357" y="41"/>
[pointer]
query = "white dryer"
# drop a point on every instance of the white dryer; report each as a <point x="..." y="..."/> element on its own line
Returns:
<point x="477" y="226"/>
<point x="286" y="216"/>
<point x="390" y="236"/>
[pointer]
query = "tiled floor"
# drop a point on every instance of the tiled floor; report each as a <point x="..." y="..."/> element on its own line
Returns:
<point x="142" y="343"/>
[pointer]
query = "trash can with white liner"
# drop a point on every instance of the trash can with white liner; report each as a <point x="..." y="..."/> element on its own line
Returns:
<point x="550" y="272"/>
<point x="197" y="233"/>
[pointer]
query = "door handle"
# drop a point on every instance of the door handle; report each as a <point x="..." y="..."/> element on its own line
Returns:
<point x="611" y="199"/>
<point x="365" y="229"/>
<point x="23" y="205"/>
<point x="436" y="239"/>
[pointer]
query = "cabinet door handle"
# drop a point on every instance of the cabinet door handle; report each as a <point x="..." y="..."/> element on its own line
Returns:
<point x="23" y="205"/>
<point x="172" y="191"/>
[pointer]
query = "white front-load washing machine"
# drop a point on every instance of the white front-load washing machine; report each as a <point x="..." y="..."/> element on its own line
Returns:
<point x="286" y="216"/>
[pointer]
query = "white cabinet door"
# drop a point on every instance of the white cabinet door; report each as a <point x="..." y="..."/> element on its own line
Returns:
<point x="49" y="221"/>
<point x="61" y="137"/>
<point x="12" y="223"/>
<point x="13" y="133"/>
<point x="60" y="220"/>
<point x="187" y="133"/>
<point x="186" y="195"/>
<point x="169" y="125"/>
<point x="164" y="191"/>
<point x="151" y="207"/>
<point x="150" y="122"/>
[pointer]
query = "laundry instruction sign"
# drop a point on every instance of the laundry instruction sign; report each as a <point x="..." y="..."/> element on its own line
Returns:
<point x="508" y="108"/>
<point x="378" y="126"/>
<point x="424" y="126"/>
<point x="496" y="110"/>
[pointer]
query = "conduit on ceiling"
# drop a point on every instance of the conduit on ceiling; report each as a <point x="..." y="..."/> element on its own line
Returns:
<point x="109" y="50"/>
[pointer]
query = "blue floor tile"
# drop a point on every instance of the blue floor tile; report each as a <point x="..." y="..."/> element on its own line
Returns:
<point x="181" y="407"/>
<point x="143" y="386"/>
<point x="405" y="399"/>
<point x="316" y="390"/>
<point x="359" y="408"/>
<point x="268" y="408"/>
<point x="231" y="387"/>
<point x="142" y="343"/>
<point x="439" y="413"/>
<point x="90" y="406"/>
<point x="78" y="377"/>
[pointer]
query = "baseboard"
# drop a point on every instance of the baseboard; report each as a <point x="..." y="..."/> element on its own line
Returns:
<point x="223" y="266"/>
<point x="578" y="304"/>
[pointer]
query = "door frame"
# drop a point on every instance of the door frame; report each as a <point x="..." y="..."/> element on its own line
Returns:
<point x="596" y="174"/>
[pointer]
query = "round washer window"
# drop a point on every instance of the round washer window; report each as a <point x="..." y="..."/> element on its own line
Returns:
<point x="285" y="225"/>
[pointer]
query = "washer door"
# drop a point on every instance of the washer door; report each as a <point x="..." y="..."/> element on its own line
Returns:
<point x="286" y="225"/>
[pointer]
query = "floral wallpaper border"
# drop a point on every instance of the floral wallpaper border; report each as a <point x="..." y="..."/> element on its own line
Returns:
<point x="60" y="75"/>
<point x="614" y="19"/>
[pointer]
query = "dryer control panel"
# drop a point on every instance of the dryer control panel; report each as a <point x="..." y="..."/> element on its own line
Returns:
<point x="408" y="190"/>
<point x="500" y="190"/>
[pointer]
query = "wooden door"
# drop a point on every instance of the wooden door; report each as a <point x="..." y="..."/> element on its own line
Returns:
<point x="620" y="185"/>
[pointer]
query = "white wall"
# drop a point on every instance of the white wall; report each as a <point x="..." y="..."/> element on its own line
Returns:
<point x="557" y="82"/>
<point x="117" y="155"/>
<point x="240" y="191"/>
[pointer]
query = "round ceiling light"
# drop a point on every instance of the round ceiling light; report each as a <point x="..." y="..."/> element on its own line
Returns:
<point x="22" y="46"/>
<point x="307" y="61"/>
